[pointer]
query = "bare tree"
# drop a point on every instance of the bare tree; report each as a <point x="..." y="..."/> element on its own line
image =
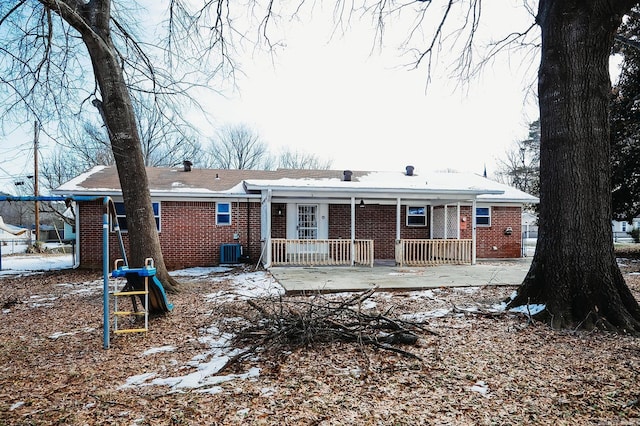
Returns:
<point x="521" y="166"/>
<point x="294" y="159"/>
<point x="239" y="147"/>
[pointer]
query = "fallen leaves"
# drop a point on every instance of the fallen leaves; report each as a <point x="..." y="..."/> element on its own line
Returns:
<point x="473" y="368"/>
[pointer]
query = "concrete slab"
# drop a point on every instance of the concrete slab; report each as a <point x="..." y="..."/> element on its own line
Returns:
<point x="331" y="279"/>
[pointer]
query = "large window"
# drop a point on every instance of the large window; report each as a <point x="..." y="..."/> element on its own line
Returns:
<point x="121" y="216"/>
<point x="223" y="213"/>
<point x="483" y="216"/>
<point x="416" y="216"/>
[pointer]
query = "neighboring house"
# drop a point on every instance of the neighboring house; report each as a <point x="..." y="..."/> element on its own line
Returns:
<point x="621" y="230"/>
<point x="11" y="233"/>
<point x="309" y="217"/>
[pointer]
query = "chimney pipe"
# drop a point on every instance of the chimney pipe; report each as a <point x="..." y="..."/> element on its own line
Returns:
<point x="187" y="165"/>
<point x="347" y="175"/>
<point x="409" y="170"/>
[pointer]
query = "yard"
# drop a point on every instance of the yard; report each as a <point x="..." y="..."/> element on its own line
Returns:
<point x="474" y="363"/>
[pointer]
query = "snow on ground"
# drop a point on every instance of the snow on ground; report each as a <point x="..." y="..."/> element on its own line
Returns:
<point x="27" y="263"/>
<point x="203" y="368"/>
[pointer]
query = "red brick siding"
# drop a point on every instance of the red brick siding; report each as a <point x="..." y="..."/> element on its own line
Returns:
<point x="488" y="237"/>
<point x="189" y="236"/>
<point x="278" y="221"/>
<point x="374" y="222"/>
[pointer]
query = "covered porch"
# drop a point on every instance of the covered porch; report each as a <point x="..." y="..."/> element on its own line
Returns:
<point x="391" y="217"/>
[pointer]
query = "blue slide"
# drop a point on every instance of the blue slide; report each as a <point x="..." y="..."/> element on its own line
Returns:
<point x="158" y="302"/>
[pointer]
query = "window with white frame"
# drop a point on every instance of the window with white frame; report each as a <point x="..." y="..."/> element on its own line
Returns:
<point x="416" y="216"/>
<point x="483" y="216"/>
<point x="223" y="213"/>
<point x="121" y="216"/>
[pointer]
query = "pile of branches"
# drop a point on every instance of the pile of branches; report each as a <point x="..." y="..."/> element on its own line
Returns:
<point x="288" y="324"/>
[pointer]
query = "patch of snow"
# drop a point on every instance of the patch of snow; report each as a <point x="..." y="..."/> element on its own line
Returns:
<point x="423" y="316"/>
<point x="206" y="365"/>
<point x="466" y="290"/>
<point x="248" y="286"/>
<point x="481" y="387"/>
<point x="529" y="309"/>
<point x="19" y="264"/>
<point x="138" y="380"/>
<point x="16" y="405"/>
<point x="166" y="348"/>
<point x="199" y="272"/>
<point x="423" y="294"/>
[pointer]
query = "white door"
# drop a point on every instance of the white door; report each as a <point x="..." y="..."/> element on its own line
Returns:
<point x="307" y="227"/>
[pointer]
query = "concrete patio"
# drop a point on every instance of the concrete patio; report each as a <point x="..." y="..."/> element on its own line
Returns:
<point x="345" y="278"/>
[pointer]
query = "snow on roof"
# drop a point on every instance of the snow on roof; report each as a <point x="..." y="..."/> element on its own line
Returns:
<point x="172" y="182"/>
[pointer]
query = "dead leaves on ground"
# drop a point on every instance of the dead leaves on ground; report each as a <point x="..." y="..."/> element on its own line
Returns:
<point x="469" y="368"/>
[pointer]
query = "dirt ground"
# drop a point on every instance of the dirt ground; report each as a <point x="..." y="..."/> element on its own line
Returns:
<point x="473" y="367"/>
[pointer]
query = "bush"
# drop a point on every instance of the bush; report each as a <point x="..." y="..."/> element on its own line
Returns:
<point x="635" y="234"/>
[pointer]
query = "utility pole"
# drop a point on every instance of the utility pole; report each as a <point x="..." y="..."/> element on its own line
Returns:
<point x="35" y="178"/>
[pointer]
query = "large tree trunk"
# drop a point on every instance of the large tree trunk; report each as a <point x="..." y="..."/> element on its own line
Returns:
<point x="574" y="270"/>
<point x="92" y="21"/>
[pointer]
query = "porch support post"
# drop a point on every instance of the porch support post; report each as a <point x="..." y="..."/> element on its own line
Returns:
<point x="265" y="202"/>
<point x="473" y="231"/>
<point x="430" y="221"/>
<point x="458" y="220"/>
<point x="353" y="231"/>
<point x="399" y="249"/>
<point x="446" y="220"/>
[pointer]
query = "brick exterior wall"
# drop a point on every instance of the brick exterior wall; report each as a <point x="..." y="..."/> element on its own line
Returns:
<point x="491" y="241"/>
<point x="189" y="236"/>
<point x="374" y="222"/>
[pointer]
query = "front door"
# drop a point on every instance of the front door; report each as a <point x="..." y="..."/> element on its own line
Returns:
<point x="307" y="222"/>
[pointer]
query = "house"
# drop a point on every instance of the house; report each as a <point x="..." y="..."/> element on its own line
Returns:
<point x="622" y="230"/>
<point x="309" y="217"/>
<point x="11" y="233"/>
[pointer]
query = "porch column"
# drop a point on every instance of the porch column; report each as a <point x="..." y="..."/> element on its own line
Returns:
<point x="265" y="203"/>
<point x="353" y="231"/>
<point x="430" y="221"/>
<point x="398" y="248"/>
<point x="398" y="218"/>
<point x="446" y="220"/>
<point x="458" y="220"/>
<point x="473" y="231"/>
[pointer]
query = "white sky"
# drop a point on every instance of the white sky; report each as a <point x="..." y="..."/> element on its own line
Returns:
<point x="364" y="111"/>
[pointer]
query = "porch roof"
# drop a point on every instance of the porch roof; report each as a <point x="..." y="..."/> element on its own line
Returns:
<point x="227" y="183"/>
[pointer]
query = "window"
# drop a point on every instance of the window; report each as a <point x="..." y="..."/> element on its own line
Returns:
<point x="483" y="216"/>
<point x="416" y="216"/>
<point x="121" y="216"/>
<point x="223" y="213"/>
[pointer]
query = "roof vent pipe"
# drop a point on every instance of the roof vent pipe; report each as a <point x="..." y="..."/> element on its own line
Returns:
<point x="187" y="165"/>
<point x="347" y="175"/>
<point x="409" y="170"/>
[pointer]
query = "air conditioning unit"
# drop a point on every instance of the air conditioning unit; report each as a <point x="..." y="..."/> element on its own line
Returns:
<point x="230" y="253"/>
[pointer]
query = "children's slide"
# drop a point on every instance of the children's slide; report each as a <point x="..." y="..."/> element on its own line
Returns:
<point x="158" y="302"/>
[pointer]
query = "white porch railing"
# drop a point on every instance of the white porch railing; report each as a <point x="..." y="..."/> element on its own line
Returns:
<point x="321" y="252"/>
<point x="433" y="252"/>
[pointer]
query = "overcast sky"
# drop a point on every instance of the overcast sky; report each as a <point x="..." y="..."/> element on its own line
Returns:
<point x="362" y="109"/>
